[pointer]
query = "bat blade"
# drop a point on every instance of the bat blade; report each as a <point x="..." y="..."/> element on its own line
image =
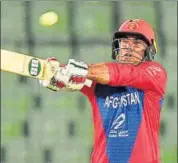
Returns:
<point x="26" y="65"/>
<point x="22" y="64"/>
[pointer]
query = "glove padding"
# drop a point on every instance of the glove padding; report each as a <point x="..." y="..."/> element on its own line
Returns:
<point x="78" y="70"/>
<point x="52" y="64"/>
<point x="72" y="76"/>
<point x="72" y="86"/>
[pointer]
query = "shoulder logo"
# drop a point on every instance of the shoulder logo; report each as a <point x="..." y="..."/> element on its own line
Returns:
<point x="34" y="67"/>
<point x="153" y="70"/>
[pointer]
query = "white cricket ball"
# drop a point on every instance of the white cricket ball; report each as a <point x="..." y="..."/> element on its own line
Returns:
<point x="49" y="18"/>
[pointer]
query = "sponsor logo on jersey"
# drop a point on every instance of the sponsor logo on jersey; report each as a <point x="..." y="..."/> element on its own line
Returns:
<point x="119" y="127"/>
<point x="118" y="122"/>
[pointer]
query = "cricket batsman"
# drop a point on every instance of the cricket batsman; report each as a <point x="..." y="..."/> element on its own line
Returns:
<point x="126" y="95"/>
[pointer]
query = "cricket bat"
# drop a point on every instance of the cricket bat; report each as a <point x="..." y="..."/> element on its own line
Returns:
<point x="27" y="65"/>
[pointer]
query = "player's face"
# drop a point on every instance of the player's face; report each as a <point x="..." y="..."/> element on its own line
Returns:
<point x="132" y="50"/>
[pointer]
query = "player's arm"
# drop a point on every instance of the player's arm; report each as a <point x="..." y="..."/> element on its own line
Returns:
<point x="99" y="73"/>
<point x="152" y="77"/>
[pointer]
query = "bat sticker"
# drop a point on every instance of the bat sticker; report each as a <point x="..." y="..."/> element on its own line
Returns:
<point x="34" y="67"/>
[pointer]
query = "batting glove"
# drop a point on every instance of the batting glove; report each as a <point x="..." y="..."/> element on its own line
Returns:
<point x="72" y="76"/>
<point x="52" y="65"/>
<point x="77" y="70"/>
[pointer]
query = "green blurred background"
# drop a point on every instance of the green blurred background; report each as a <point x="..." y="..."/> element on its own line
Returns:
<point x="40" y="126"/>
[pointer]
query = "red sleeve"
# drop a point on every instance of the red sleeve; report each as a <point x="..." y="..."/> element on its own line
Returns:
<point x="147" y="76"/>
<point x="89" y="91"/>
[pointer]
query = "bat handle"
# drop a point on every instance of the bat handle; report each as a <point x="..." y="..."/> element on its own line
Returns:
<point x="88" y="83"/>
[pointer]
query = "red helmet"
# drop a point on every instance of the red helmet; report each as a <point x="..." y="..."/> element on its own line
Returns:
<point x="140" y="29"/>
